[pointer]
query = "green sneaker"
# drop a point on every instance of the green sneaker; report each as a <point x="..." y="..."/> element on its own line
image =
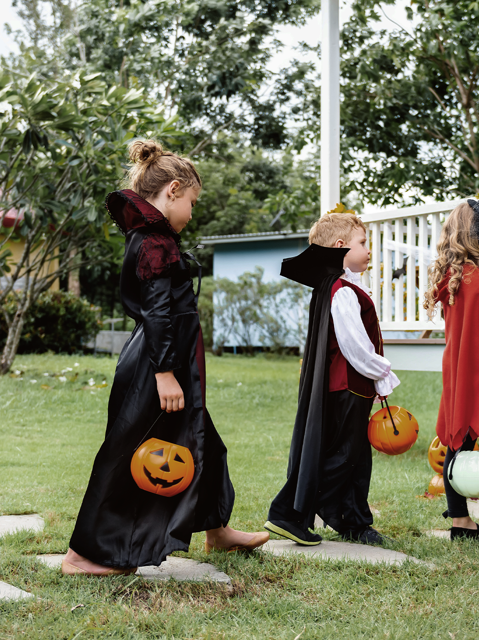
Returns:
<point x="293" y="532"/>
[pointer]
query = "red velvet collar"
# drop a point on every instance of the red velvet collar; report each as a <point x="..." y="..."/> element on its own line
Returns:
<point x="129" y="211"/>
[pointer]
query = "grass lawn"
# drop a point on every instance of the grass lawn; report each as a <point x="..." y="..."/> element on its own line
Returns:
<point x="50" y="431"/>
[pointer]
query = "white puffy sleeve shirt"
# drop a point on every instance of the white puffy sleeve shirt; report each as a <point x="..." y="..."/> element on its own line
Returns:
<point x="354" y="342"/>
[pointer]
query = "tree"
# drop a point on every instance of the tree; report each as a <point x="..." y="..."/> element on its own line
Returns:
<point x="256" y="312"/>
<point x="62" y="147"/>
<point x="45" y="22"/>
<point x="410" y="115"/>
<point x="207" y="62"/>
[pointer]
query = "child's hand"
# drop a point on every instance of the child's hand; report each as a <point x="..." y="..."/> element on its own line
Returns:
<point x="170" y="392"/>
<point x="379" y="399"/>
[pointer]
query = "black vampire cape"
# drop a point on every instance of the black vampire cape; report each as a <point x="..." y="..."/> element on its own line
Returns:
<point x="119" y="524"/>
<point x="317" y="267"/>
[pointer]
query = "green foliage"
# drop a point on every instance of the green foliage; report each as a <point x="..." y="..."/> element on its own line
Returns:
<point x="255" y="312"/>
<point x="410" y="122"/>
<point x="249" y="191"/>
<point x="206" y="309"/>
<point x="58" y="321"/>
<point x="44" y="21"/>
<point x="207" y="62"/>
<point x="63" y="143"/>
<point x="62" y="149"/>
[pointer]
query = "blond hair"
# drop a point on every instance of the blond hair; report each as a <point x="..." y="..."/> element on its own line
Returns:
<point x="153" y="168"/>
<point x="457" y="246"/>
<point x="334" y="226"/>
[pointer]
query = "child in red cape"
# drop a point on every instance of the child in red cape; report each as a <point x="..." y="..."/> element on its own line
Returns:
<point x="159" y="382"/>
<point x="454" y="281"/>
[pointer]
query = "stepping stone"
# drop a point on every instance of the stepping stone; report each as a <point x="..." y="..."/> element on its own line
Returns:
<point x="318" y="522"/>
<point x="184" y="569"/>
<point x="341" y="551"/>
<point x="12" y="524"/>
<point x="177" y="568"/>
<point x="7" y="592"/>
<point x="52" y="560"/>
<point x="473" y="508"/>
<point x="439" y="533"/>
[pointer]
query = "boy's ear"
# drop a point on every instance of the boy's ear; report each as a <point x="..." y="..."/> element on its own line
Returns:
<point x="339" y="243"/>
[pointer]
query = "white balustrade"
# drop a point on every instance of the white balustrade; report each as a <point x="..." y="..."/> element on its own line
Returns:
<point x="409" y="234"/>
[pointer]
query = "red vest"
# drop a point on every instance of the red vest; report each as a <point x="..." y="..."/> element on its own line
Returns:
<point x="341" y="374"/>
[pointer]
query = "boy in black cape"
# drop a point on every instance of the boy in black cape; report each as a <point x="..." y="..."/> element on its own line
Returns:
<point x="343" y="370"/>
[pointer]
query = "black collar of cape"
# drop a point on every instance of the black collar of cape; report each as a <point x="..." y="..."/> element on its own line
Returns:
<point x="130" y="211"/>
<point x="314" y="264"/>
<point x="317" y="267"/>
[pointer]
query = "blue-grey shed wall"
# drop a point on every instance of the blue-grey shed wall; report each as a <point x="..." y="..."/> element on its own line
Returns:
<point x="233" y="259"/>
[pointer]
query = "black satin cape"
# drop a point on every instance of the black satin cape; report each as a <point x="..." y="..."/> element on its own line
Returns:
<point x="119" y="524"/>
<point x="317" y="267"/>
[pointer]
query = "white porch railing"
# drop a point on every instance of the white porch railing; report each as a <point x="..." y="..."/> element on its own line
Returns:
<point x="393" y="236"/>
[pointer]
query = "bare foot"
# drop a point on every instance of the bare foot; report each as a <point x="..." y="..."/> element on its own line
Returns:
<point x="83" y="563"/>
<point x="464" y="523"/>
<point x="226" y="537"/>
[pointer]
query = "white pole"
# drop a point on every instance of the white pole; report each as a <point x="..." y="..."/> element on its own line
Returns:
<point x="330" y="105"/>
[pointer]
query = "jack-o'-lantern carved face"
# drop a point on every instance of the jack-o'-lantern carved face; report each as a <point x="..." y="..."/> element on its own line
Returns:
<point x="436" y="455"/>
<point x="162" y="467"/>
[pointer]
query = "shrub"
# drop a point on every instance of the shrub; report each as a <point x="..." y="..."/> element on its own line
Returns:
<point x="205" y="308"/>
<point x="254" y="312"/>
<point x="58" y="321"/>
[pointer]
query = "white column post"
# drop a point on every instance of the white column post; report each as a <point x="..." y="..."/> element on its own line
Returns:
<point x="329" y="105"/>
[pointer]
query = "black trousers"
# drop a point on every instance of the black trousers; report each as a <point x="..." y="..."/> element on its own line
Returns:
<point x="456" y="504"/>
<point x="344" y="469"/>
<point x="347" y="464"/>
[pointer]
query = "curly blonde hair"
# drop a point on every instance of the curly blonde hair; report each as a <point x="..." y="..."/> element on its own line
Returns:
<point x="457" y="246"/>
<point x="334" y="226"/>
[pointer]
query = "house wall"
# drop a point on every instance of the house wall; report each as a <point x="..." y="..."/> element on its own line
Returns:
<point x="16" y="247"/>
<point x="233" y="259"/>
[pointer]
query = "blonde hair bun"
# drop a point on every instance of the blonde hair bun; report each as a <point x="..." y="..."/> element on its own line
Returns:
<point x="153" y="167"/>
<point x="145" y="151"/>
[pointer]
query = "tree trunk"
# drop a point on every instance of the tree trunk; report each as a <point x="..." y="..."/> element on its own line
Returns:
<point x="74" y="277"/>
<point x="13" y="340"/>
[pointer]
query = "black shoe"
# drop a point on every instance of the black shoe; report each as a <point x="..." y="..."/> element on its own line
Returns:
<point x="459" y="532"/>
<point x="366" y="536"/>
<point x="293" y="531"/>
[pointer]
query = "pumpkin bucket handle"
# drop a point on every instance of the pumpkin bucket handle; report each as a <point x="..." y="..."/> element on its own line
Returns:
<point x="156" y="420"/>
<point x="396" y="432"/>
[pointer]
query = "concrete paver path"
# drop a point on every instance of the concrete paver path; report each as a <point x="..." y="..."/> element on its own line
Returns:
<point x="12" y="524"/>
<point x="7" y="592"/>
<point x="341" y="551"/>
<point x="439" y="533"/>
<point x="176" y="568"/>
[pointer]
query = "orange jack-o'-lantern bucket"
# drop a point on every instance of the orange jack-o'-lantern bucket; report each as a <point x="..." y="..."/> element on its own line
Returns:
<point x="392" y="430"/>
<point x="162" y="467"/>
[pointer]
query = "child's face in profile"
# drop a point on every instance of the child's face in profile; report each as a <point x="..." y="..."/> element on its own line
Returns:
<point x="175" y="204"/>
<point x="179" y="210"/>
<point x="357" y="259"/>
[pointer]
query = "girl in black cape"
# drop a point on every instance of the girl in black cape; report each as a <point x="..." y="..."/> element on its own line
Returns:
<point x="161" y="368"/>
